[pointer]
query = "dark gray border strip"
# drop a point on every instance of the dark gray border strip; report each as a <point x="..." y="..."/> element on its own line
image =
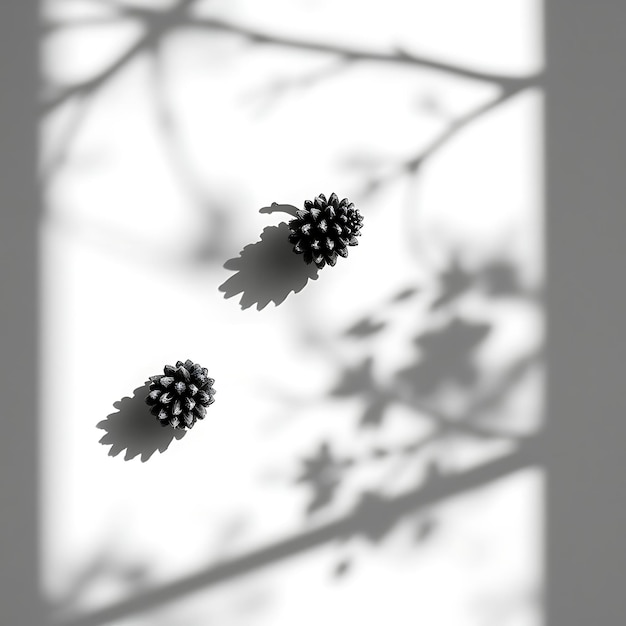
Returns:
<point x="586" y="206"/>
<point x="20" y="601"/>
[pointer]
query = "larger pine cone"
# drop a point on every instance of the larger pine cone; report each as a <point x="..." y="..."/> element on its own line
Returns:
<point x="324" y="229"/>
<point x="181" y="395"/>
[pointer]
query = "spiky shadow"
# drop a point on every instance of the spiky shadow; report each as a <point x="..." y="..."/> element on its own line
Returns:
<point x="133" y="429"/>
<point x="267" y="271"/>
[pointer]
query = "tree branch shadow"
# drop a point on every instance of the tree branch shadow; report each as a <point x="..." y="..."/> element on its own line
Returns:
<point x="133" y="429"/>
<point x="373" y="517"/>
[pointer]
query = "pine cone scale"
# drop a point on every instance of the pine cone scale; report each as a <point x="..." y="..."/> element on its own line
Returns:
<point x="324" y="229"/>
<point x="181" y="395"/>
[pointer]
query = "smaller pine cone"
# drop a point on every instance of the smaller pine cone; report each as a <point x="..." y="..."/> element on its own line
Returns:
<point x="180" y="395"/>
<point x="324" y="229"/>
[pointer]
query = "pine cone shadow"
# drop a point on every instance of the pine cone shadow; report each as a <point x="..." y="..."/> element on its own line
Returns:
<point x="133" y="429"/>
<point x="267" y="271"/>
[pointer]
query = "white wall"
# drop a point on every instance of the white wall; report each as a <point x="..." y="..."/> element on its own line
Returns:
<point x="154" y="177"/>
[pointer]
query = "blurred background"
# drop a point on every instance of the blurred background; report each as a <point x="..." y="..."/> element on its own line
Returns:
<point x="375" y="452"/>
<point x="372" y="452"/>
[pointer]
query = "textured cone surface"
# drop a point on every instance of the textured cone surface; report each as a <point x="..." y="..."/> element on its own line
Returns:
<point x="180" y="395"/>
<point x="324" y="229"/>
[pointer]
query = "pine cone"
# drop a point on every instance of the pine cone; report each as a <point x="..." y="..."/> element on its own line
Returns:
<point x="324" y="229"/>
<point x="181" y="395"/>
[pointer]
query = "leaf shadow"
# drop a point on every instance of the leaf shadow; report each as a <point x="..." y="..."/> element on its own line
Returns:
<point x="132" y="429"/>
<point x="447" y="357"/>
